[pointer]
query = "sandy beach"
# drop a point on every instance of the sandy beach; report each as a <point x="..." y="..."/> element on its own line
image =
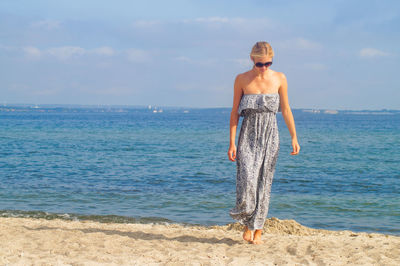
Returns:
<point x="26" y="241"/>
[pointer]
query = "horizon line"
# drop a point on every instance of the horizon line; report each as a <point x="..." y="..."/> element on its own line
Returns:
<point x="149" y="106"/>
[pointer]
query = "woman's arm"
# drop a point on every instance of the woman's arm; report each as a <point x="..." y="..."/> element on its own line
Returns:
<point x="287" y="114"/>
<point x="237" y="95"/>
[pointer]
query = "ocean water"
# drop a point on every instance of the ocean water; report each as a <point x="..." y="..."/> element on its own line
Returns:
<point x="130" y="164"/>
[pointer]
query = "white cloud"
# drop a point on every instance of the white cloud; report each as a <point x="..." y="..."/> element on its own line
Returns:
<point x="212" y="23"/>
<point x="104" y="50"/>
<point x="237" y="23"/>
<point x="8" y="48"/>
<point x="220" y="22"/>
<point x="300" y="44"/>
<point x="216" y="20"/>
<point x="31" y="51"/>
<point x="243" y="62"/>
<point x="66" y="52"/>
<point x="47" y="24"/>
<point x="145" y="23"/>
<point x="212" y="20"/>
<point x="371" y="52"/>
<point x="137" y="55"/>
<point x="204" y="62"/>
<point x="183" y="59"/>
<point x="306" y="44"/>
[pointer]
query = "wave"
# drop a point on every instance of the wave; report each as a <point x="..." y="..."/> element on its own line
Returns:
<point x="82" y="217"/>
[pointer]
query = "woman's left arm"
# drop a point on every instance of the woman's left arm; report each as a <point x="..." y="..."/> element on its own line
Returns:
<point x="287" y="114"/>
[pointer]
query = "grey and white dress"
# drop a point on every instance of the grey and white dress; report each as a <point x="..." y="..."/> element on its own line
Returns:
<point x="256" y="156"/>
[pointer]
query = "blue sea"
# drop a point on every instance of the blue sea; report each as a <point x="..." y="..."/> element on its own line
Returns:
<point x="135" y="165"/>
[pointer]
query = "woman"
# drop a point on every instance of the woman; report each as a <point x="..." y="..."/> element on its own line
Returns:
<point x="258" y="95"/>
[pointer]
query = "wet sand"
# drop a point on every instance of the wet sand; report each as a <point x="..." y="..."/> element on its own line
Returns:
<point x="26" y="241"/>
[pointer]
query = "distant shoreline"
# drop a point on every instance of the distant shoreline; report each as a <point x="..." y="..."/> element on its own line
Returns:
<point x="126" y="108"/>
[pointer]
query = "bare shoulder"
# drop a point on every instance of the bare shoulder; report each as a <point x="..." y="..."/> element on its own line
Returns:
<point x="280" y="75"/>
<point x="242" y="77"/>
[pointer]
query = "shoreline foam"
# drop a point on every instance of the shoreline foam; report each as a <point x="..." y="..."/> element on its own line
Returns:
<point x="41" y="241"/>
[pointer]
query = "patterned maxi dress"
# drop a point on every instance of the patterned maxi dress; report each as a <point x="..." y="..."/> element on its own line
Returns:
<point x="257" y="153"/>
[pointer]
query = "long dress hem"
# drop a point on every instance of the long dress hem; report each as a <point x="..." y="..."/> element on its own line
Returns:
<point x="257" y="153"/>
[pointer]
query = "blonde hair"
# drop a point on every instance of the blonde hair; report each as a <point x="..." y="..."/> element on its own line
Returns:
<point x="261" y="49"/>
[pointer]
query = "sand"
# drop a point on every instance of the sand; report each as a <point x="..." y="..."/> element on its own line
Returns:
<point x="26" y="241"/>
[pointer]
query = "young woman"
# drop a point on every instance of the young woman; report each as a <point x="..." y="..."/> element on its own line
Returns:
<point x="258" y="95"/>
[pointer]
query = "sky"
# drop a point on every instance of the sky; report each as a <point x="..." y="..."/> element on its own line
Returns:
<point x="338" y="54"/>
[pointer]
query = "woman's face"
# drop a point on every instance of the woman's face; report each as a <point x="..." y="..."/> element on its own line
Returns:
<point x="262" y="60"/>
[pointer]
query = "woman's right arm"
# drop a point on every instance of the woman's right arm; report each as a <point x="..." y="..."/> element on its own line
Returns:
<point x="237" y="95"/>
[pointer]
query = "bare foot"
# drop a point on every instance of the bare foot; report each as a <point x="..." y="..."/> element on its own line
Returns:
<point x="247" y="234"/>
<point x="257" y="237"/>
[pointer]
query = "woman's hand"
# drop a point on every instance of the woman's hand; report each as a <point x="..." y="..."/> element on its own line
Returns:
<point x="296" y="147"/>
<point x="232" y="152"/>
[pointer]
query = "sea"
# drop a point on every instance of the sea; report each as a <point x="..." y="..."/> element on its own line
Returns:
<point x="147" y="164"/>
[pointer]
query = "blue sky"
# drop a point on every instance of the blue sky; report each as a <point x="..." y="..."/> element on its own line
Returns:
<point x="335" y="54"/>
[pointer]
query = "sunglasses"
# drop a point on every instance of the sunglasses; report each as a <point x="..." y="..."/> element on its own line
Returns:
<point x="267" y="64"/>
